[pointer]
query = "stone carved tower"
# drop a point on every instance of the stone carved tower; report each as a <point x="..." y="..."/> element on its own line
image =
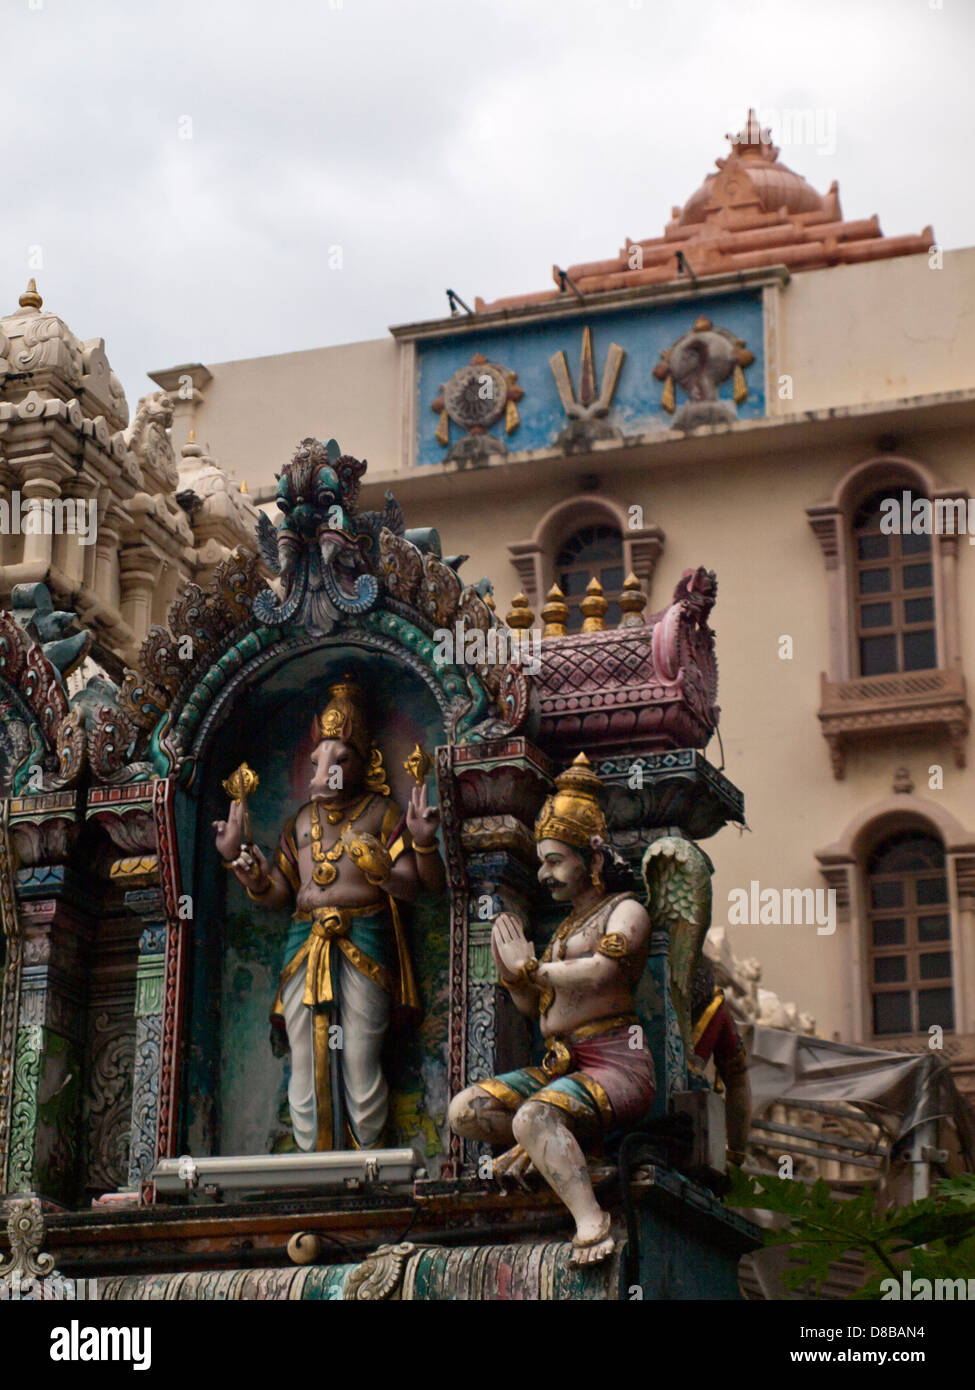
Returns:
<point x="64" y="439"/>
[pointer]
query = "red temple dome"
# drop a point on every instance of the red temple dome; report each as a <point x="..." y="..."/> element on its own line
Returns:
<point x="753" y="212"/>
<point x="752" y="179"/>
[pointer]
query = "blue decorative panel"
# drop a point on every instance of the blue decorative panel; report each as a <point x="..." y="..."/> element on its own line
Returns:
<point x="643" y="331"/>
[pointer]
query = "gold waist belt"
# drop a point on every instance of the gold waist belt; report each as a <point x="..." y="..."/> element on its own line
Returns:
<point x="558" y="1049"/>
<point x="327" y="924"/>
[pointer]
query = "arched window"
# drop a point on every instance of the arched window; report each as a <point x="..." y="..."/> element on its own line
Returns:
<point x="591" y="551"/>
<point x="894" y="593"/>
<point x="909" y="934"/>
<point x="895" y="656"/>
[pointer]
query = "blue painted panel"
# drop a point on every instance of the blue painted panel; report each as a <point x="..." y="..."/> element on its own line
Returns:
<point x="643" y="331"/>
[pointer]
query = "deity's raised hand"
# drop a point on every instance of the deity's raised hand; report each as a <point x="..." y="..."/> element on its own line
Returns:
<point x="421" y="818"/>
<point x="252" y="866"/>
<point x="229" y="832"/>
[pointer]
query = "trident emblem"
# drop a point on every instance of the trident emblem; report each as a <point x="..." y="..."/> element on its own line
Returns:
<point x="593" y="403"/>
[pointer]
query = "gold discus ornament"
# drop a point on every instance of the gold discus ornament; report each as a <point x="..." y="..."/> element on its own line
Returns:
<point x="240" y="785"/>
<point x="418" y="764"/>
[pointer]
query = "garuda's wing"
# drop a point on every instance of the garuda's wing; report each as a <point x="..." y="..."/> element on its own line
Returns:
<point x="677" y="876"/>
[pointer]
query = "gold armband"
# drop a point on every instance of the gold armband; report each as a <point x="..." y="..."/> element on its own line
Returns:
<point x="369" y="856"/>
<point x="615" y="946"/>
<point x="255" y="894"/>
<point x="426" y="849"/>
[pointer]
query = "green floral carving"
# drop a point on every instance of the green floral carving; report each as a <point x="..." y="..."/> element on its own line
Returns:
<point x="149" y="985"/>
<point x="480" y="959"/>
<point x="23" y="1124"/>
<point x="56" y="1138"/>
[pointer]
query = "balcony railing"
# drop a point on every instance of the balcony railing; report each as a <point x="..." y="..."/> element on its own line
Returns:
<point x="899" y="702"/>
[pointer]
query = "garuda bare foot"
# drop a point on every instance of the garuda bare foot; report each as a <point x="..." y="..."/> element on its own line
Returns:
<point x="592" y="1242"/>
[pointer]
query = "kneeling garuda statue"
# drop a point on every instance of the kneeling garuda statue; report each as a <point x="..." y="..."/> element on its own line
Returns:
<point x="597" y="1073"/>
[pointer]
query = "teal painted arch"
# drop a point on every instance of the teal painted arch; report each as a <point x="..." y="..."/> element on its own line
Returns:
<point x="181" y="737"/>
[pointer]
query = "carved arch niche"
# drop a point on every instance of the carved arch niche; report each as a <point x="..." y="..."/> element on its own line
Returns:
<point x="232" y="1097"/>
<point x="534" y="559"/>
<point x="925" y="702"/>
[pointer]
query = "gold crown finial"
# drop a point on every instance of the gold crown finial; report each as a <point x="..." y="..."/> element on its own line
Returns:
<point x="632" y="602"/>
<point x="593" y="607"/>
<point x="572" y="813"/>
<point x="555" y="613"/>
<point x="192" y="436"/>
<point x="30" y="299"/>
<point x="344" y="716"/>
<point x="519" y="615"/>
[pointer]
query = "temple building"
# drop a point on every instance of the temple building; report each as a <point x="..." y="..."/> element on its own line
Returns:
<point x="742" y="391"/>
<point x="745" y="441"/>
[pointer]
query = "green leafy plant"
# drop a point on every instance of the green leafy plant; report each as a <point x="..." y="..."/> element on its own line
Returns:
<point x="822" y="1229"/>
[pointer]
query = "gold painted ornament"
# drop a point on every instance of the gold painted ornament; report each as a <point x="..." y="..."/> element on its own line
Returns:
<point x="241" y="784"/>
<point x="325" y="861"/>
<point x="418" y="764"/>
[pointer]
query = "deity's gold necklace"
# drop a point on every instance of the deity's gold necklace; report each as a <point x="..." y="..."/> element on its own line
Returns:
<point x="325" y="871"/>
<point x="566" y="928"/>
<point x="560" y="942"/>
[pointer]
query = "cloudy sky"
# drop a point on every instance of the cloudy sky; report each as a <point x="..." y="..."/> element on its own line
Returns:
<point x="184" y="171"/>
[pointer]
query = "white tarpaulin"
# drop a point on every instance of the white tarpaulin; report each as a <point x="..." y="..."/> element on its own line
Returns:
<point x="899" y="1090"/>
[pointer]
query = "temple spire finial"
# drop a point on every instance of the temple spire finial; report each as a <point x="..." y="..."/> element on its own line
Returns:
<point x="753" y="139"/>
<point x="30" y="299"/>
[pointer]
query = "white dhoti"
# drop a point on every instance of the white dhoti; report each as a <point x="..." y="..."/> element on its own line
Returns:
<point x="363" y="1017"/>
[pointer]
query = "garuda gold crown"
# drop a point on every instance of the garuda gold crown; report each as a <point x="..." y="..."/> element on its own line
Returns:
<point x="572" y="813"/>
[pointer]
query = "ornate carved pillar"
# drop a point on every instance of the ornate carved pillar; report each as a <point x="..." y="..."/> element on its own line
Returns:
<point x="499" y="882"/>
<point x="8" y="477"/>
<point x="148" y="905"/>
<point x="106" y="579"/>
<point x="106" y="1107"/>
<point x="139" y="571"/>
<point x="490" y="794"/>
<point x="57" y="917"/>
<point x="38" y="542"/>
<point x="9" y="988"/>
<point x="69" y="553"/>
<point x="126" y="814"/>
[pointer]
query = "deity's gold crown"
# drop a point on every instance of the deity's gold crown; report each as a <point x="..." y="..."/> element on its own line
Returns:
<point x="344" y="717"/>
<point x="572" y="813"/>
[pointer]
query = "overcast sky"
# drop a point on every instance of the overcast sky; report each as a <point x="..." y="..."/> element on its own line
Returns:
<point x="469" y="143"/>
